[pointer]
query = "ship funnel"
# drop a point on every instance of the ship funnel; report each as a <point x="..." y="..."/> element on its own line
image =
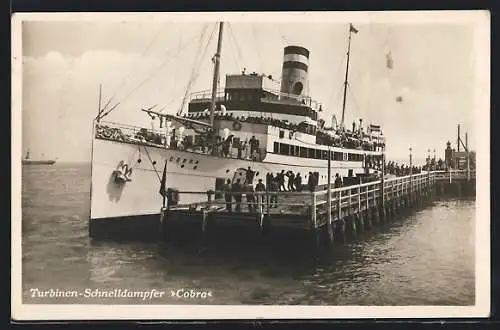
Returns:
<point x="294" y="73"/>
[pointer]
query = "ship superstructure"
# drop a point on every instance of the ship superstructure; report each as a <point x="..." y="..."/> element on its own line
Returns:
<point x="255" y="123"/>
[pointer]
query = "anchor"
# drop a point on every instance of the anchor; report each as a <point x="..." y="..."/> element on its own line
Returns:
<point x="122" y="173"/>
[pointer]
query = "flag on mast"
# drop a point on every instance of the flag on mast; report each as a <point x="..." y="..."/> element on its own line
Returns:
<point x="163" y="184"/>
<point x="352" y="28"/>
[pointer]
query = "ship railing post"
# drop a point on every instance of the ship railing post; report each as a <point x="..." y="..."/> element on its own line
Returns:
<point x="367" y="196"/>
<point x="349" y="199"/>
<point x="313" y="211"/>
<point x="209" y="199"/>
<point x="359" y="200"/>
<point x="267" y="202"/>
<point x="339" y="203"/>
<point x="260" y="212"/>
<point x="329" y="205"/>
<point x="450" y="176"/>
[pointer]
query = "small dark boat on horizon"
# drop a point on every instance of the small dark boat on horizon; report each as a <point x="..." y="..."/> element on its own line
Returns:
<point x="28" y="161"/>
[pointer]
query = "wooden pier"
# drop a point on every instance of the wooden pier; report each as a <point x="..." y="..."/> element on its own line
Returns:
<point x="326" y="215"/>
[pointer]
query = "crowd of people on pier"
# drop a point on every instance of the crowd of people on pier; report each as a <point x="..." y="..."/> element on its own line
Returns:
<point x="268" y="190"/>
<point x="288" y="181"/>
<point x="401" y="169"/>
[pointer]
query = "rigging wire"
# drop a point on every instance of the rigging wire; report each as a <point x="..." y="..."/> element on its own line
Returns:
<point x="238" y="49"/>
<point x="152" y="73"/>
<point x="134" y="68"/>
<point x="196" y="68"/>
<point x="172" y="93"/>
<point x="234" y="52"/>
<point x="259" y="56"/>
<point x="359" y="113"/>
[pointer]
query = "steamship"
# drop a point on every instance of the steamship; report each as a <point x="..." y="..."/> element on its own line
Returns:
<point x="27" y="160"/>
<point x="255" y="122"/>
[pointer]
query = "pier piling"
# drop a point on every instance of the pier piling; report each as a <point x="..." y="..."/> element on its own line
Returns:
<point x="333" y="214"/>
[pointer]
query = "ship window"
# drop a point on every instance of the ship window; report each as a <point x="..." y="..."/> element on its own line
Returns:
<point x="276" y="147"/>
<point x="284" y="149"/>
<point x="282" y="134"/>
<point x="236" y="95"/>
<point x="324" y="154"/>
<point x="297" y="151"/>
<point x="337" y="156"/>
<point x="311" y="153"/>
<point x="318" y="154"/>
<point x="303" y="152"/>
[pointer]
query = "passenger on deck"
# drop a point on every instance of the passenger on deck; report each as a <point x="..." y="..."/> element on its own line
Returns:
<point x="260" y="187"/>
<point x="269" y="178"/>
<point x="226" y="146"/>
<point x="250" y="198"/>
<point x="240" y="150"/>
<point x="310" y="182"/>
<point x="249" y="176"/>
<point x="298" y="182"/>
<point x="226" y="188"/>
<point x="274" y="187"/>
<point x="244" y="150"/>
<point x="291" y="181"/>
<point x="254" y="145"/>
<point x="281" y="180"/>
<point x="236" y="190"/>
<point x="338" y="181"/>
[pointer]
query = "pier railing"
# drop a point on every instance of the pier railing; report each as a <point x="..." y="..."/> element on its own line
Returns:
<point x="452" y="175"/>
<point x="315" y="209"/>
<point x="353" y="198"/>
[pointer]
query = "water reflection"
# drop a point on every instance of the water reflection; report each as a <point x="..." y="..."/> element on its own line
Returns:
<point x="426" y="257"/>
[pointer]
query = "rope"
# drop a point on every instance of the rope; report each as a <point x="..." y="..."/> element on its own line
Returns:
<point x="196" y="68"/>
<point x="238" y="50"/>
<point x="134" y="68"/>
<point x="154" y="167"/>
<point x="259" y="56"/>
<point x="360" y="112"/>
<point x="150" y="75"/>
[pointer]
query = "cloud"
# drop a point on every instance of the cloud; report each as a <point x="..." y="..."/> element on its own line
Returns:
<point x="61" y="82"/>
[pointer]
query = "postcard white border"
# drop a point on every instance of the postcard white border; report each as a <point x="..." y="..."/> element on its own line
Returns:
<point x="481" y="22"/>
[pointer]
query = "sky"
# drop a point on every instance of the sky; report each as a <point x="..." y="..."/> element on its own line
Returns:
<point x="144" y="63"/>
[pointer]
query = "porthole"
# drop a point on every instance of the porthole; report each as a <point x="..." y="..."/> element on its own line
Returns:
<point x="184" y="160"/>
<point x="178" y="159"/>
<point x="194" y="168"/>
<point x="139" y="160"/>
<point x="190" y="161"/>
<point x="171" y="158"/>
<point x="182" y="166"/>
<point x="257" y="174"/>
<point x="154" y="162"/>
<point x="196" y="162"/>
<point x="227" y="171"/>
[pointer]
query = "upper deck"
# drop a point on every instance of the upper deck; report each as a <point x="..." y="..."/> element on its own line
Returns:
<point x="256" y="93"/>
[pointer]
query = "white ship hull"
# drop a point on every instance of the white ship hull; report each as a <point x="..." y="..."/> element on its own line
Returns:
<point x="186" y="171"/>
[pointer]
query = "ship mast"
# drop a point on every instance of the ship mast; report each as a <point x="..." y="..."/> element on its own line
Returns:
<point x="216" y="76"/>
<point x="351" y="30"/>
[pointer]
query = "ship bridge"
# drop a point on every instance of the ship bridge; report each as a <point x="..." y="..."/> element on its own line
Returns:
<point x="257" y="95"/>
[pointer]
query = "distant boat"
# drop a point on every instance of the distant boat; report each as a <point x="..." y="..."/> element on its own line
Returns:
<point x="28" y="161"/>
